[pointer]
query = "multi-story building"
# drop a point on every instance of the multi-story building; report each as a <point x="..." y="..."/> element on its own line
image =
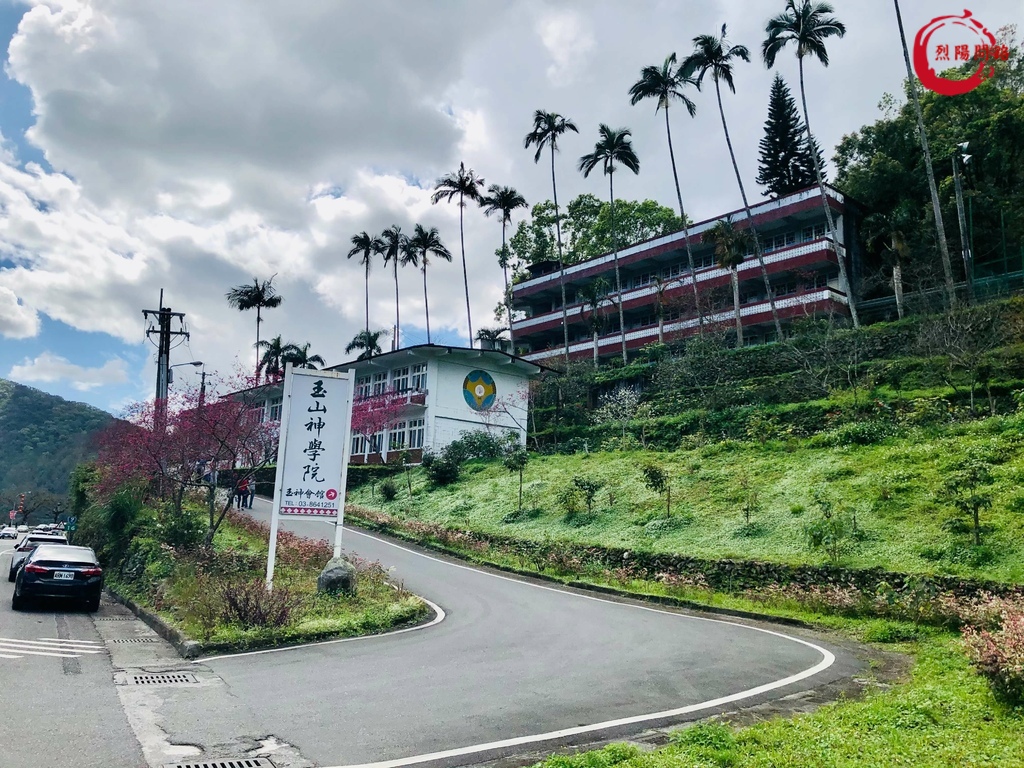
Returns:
<point x="800" y="258"/>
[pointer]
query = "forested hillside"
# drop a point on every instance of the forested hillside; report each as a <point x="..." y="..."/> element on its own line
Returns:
<point x="42" y="438"/>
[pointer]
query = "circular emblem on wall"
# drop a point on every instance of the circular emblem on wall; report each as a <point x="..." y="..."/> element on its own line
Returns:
<point x="479" y="390"/>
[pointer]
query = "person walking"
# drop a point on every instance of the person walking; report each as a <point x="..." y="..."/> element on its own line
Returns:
<point x="242" y="493"/>
<point x="252" y="492"/>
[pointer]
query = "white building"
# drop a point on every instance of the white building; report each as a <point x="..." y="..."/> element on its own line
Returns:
<point x="447" y="390"/>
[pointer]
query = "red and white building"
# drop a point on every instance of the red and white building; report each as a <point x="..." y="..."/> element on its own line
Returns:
<point x="801" y="261"/>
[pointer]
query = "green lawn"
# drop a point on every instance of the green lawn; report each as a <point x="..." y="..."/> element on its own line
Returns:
<point x="892" y="488"/>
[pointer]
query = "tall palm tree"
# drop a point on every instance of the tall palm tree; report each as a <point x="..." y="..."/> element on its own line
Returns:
<point x="731" y="245"/>
<point x="893" y="229"/>
<point x="933" y="190"/>
<point x="665" y="83"/>
<point x="368" y="341"/>
<point x="366" y="247"/>
<point x="258" y="296"/>
<point x="547" y="127"/>
<point x="275" y="355"/>
<point x="713" y="55"/>
<point x="394" y="250"/>
<point x="299" y="357"/>
<point x="463" y="184"/>
<point x="809" y="25"/>
<point x="504" y="200"/>
<point x="612" y="148"/>
<point x="492" y="336"/>
<point x="423" y="244"/>
<point x="593" y="294"/>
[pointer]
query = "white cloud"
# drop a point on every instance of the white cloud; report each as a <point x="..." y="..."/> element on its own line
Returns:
<point x="16" y="320"/>
<point x="48" y="368"/>
<point x="566" y="36"/>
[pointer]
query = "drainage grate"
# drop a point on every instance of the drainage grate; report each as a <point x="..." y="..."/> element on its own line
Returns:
<point x="115" y="618"/>
<point x="237" y="762"/>
<point x="134" y="640"/>
<point x="171" y="677"/>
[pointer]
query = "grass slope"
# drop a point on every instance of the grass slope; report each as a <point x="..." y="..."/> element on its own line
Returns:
<point x="892" y="487"/>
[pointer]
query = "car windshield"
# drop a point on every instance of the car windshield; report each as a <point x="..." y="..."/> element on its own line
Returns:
<point x="71" y="556"/>
<point x="32" y="542"/>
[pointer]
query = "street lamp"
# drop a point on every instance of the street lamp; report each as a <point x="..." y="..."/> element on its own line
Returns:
<point x="170" y="374"/>
<point x="964" y="158"/>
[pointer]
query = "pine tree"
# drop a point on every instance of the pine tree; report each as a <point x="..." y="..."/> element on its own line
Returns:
<point x="785" y="164"/>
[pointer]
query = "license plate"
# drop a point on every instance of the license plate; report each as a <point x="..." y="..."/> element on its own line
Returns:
<point x="64" y="575"/>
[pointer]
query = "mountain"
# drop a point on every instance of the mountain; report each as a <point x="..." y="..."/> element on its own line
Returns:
<point x="42" y="438"/>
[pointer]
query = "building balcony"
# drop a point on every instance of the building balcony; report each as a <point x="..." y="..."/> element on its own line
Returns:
<point x="755" y="313"/>
<point x="783" y="260"/>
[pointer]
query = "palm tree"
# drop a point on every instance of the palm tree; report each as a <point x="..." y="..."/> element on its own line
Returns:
<point x="258" y="296"/>
<point x="940" y="228"/>
<point x="712" y="54"/>
<point x="275" y="355"/>
<point x="393" y="249"/>
<point x="424" y="243"/>
<point x="547" y="127"/>
<point x="731" y="245"/>
<point x="809" y="25"/>
<point x="613" y="147"/>
<point x="593" y="294"/>
<point x="464" y="184"/>
<point x="492" y="336"/>
<point x="368" y="341"/>
<point x="503" y="200"/>
<point x="665" y="83"/>
<point x="894" y="229"/>
<point x="366" y="247"/>
<point x="299" y="357"/>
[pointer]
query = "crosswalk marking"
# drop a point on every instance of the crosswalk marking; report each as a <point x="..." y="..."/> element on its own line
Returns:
<point x="13" y="648"/>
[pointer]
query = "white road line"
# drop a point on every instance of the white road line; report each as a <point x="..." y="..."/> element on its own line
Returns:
<point x="827" y="660"/>
<point x="7" y="656"/>
<point x="4" y="647"/>
<point x="53" y="646"/>
<point x="69" y="642"/>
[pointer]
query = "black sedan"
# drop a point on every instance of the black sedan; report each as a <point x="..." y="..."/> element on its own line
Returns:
<point x="59" y="571"/>
<point x="29" y="543"/>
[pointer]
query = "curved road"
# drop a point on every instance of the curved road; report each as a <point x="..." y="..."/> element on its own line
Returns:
<point x="512" y="663"/>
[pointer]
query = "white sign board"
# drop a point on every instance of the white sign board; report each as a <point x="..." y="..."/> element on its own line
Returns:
<point x="313" y="452"/>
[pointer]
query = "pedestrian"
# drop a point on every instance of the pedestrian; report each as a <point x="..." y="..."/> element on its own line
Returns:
<point x="252" y="492"/>
<point x="241" y="493"/>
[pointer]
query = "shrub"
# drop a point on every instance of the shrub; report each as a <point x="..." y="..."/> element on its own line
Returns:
<point x="183" y="531"/>
<point x="389" y="490"/>
<point x="999" y="655"/>
<point x="249" y="605"/>
<point x="441" y="469"/>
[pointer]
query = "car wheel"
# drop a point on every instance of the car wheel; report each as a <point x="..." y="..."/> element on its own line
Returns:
<point x="10" y="575"/>
<point x="17" y="602"/>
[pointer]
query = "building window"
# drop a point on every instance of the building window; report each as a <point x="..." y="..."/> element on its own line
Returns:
<point x="396" y="437"/>
<point x="376" y="442"/>
<point x="419" y="377"/>
<point x="358" y="445"/>
<point x="416" y="433"/>
<point x="363" y="387"/>
<point x="400" y="379"/>
<point x="275" y="409"/>
<point x="380" y="382"/>
<point x="260" y="412"/>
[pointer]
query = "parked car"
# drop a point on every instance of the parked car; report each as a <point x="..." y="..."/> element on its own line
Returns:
<point x="27" y="545"/>
<point x="8" y="532"/>
<point x="22" y="528"/>
<point x="59" y="571"/>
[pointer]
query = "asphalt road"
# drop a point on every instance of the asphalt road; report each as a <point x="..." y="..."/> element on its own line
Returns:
<point x="514" y="666"/>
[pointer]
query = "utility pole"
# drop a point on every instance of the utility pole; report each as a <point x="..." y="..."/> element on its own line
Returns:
<point x="968" y="257"/>
<point x="202" y="388"/>
<point x="164" y="317"/>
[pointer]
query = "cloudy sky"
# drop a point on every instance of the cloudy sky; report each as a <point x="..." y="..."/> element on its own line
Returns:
<point x="190" y="146"/>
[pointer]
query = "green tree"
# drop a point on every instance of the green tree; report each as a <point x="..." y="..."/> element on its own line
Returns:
<point x="258" y="296"/>
<point x="715" y="56"/>
<point x="515" y="460"/>
<point x="423" y="244"/>
<point x="785" y="163"/>
<point x="299" y="357"/>
<point x="368" y="342"/>
<point x="731" y="245"/>
<point x="657" y="480"/>
<point x="592" y="231"/>
<point x="594" y="294"/>
<point x="366" y="247"/>
<point x="967" y="486"/>
<point x="275" y="355"/>
<point x="504" y="200"/>
<point x="666" y="83"/>
<point x="547" y="128"/>
<point x="613" y="148"/>
<point x="463" y="184"/>
<point x="894" y="229"/>
<point x="808" y="25"/>
<point x="394" y="249"/>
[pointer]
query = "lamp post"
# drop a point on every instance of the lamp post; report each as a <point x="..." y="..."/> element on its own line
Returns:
<point x="962" y="157"/>
<point x="170" y="368"/>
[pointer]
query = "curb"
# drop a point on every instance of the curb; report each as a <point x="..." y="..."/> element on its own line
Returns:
<point x="585" y="586"/>
<point x="186" y="648"/>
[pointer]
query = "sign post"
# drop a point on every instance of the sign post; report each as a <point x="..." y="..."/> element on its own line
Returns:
<point x="312" y="455"/>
